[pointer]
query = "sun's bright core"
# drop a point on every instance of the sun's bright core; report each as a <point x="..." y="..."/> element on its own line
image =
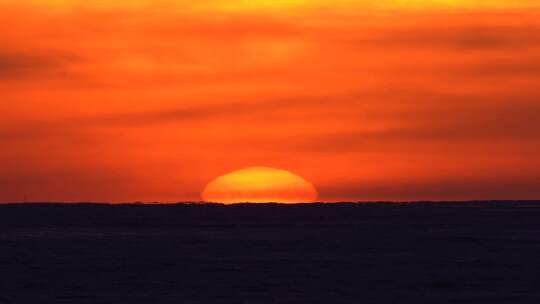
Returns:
<point x="259" y="185"/>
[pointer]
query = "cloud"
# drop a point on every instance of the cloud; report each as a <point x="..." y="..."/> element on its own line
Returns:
<point x="16" y="65"/>
<point x="468" y="37"/>
<point x="479" y="31"/>
<point x="194" y="113"/>
<point x="444" y="119"/>
<point x="526" y="67"/>
<point x="502" y="187"/>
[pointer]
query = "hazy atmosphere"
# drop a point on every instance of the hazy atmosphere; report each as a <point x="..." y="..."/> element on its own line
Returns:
<point x="367" y="100"/>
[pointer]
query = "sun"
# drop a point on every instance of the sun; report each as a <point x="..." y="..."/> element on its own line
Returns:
<point x="259" y="185"/>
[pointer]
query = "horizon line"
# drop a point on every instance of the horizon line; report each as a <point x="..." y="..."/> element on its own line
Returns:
<point x="203" y="203"/>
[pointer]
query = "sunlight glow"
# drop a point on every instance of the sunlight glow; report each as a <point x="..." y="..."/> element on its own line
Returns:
<point x="277" y="6"/>
<point x="259" y="185"/>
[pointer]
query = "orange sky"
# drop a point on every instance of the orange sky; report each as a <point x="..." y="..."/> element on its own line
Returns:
<point x="368" y="100"/>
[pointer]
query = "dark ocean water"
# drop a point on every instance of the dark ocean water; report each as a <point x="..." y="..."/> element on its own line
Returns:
<point x="366" y="253"/>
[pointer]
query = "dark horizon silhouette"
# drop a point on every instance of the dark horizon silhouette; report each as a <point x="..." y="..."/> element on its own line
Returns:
<point x="465" y="252"/>
<point x="405" y="202"/>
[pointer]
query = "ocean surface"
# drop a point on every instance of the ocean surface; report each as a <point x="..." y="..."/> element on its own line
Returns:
<point x="470" y="252"/>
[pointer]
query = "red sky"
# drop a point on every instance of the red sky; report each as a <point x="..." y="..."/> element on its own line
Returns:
<point x="369" y="100"/>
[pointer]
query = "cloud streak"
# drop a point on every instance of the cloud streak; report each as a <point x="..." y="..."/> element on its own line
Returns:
<point x="16" y="65"/>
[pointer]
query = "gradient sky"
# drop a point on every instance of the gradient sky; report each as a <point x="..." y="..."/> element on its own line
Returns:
<point x="369" y="100"/>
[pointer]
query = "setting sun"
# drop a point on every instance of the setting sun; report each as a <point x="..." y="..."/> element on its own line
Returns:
<point x="259" y="185"/>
